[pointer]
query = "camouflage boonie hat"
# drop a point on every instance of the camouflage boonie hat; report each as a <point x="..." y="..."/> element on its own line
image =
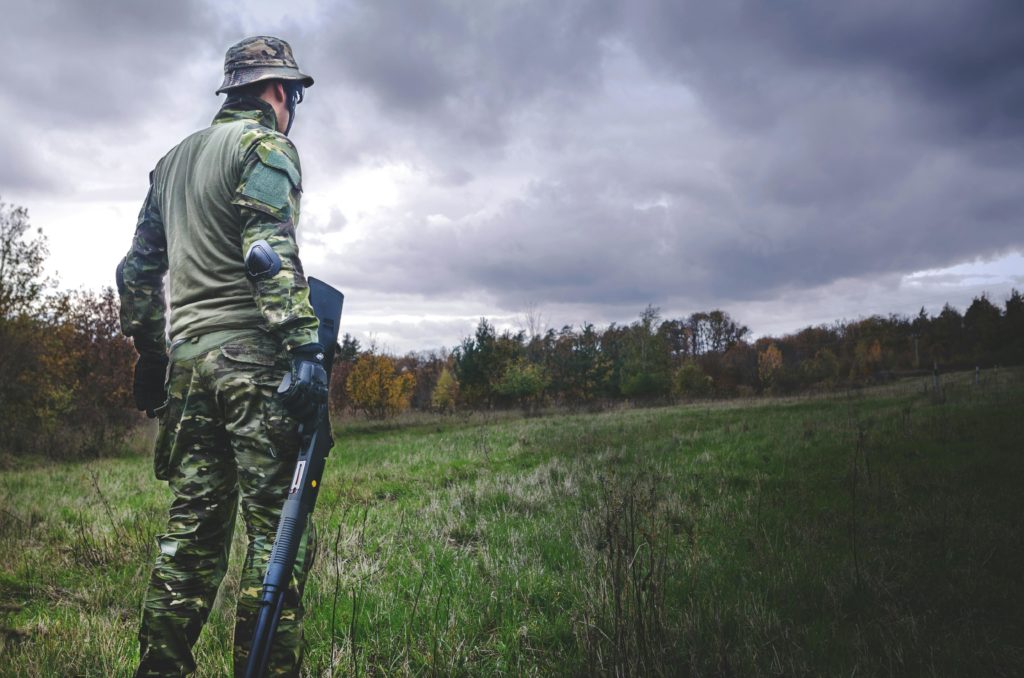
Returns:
<point x="260" y="58"/>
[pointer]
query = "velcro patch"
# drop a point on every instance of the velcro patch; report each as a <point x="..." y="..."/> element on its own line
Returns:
<point x="277" y="159"/>
<point x="268" y="185"/>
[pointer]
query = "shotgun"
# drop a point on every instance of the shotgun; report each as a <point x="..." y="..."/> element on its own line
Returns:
<point x="316" y="445"/>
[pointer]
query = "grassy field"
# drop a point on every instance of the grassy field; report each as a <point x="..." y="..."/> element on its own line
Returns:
<point x="868" y="534"/>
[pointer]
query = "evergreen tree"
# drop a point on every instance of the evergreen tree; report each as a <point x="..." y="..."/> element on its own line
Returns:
<point x="982" y="324"/>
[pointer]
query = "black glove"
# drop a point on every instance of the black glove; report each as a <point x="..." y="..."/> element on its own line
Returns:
<point x="304" y="389"/>
<point x="148" y="385"/>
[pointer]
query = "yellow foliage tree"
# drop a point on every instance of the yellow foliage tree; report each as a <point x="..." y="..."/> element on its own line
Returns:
<point x="377" y="389"/>
<point x="769" y="362"/>
<point x="867" y="357"/>
<point x="446" y="392"/>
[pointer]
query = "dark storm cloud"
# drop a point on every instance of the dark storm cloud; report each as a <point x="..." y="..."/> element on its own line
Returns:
<point x="877" y="160"/>
<point x="79" y="64"/>
<point x="963" y="57"/>
<point x="459" y="69"/>
<point x="847" y="140"/>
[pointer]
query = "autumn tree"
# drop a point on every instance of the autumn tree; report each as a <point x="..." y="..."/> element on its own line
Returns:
<point x="98" y="371"/>
<point x="867" y="356"/>
<point x="65" y="368"/>
<point x="344" y="359"/>
<point x="769" y="364"/>
<point x="426" y="367"/>
<point x="446" y="392"/>
<point x="823" y="368"/>
<point x="376" y="388"/>
<point x="31" y="363"/>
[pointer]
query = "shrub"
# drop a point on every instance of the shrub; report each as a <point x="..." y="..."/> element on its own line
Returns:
<point x="691" y="382"/>
<point x="377" y="389"/>
<point x="646" y="385"/>
<point x="524" y="384"/>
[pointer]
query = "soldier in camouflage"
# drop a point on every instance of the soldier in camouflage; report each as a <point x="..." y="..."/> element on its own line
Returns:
<point x="219" y="221"/>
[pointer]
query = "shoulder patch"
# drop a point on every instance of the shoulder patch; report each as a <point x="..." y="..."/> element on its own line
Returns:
<point x="276" y="158"/>
<point x="268" y="185"/>
<point x="272" y="178"/>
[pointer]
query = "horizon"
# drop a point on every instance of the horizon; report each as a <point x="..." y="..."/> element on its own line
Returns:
<point x="522" y="321"/>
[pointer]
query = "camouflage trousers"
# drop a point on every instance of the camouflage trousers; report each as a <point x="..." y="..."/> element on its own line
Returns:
<point x="223" y="439"/>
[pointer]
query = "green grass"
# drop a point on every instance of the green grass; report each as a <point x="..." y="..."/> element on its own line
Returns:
<point x="871" y="534"/>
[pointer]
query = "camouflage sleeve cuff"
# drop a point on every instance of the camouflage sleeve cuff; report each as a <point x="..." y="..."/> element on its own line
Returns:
<point x="300" y="337"/>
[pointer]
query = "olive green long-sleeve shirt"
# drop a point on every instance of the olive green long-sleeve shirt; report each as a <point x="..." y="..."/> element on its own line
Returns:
<point x="210" y="198"/>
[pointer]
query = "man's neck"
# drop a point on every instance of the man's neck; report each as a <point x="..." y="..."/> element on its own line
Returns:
<point x="247" y="108"/>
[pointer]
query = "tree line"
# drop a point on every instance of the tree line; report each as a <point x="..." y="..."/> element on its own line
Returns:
<point x="706" y="355"/>
<point x="65" y="369"/>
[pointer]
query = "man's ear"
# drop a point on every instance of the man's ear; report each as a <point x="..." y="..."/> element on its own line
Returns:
<point x="277" y="92"/>
<point x="273" y="92"/>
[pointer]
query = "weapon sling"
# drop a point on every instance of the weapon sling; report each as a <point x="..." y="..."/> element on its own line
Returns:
<point x="302" y="492"/>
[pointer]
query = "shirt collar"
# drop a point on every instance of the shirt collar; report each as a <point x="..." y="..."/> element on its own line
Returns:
<point x="247" y="108"/>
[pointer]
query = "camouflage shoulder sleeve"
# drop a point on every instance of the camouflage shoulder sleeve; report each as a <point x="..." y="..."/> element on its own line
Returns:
<point x="271" y="180"/>
<point x="268" y="198"/>
<point x="140" y="281"/>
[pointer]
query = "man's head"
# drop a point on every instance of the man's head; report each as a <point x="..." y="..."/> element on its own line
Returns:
<point x="264" y="67"/>
<point x="282" y="95"/>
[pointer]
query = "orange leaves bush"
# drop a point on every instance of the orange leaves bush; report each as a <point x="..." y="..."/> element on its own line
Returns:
<point x="376" y="388"/>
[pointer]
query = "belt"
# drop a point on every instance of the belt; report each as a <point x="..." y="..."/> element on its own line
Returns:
<point x="193" y="347"/>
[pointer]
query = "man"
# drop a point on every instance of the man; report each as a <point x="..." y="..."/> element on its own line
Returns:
<point x="220" y="220"/>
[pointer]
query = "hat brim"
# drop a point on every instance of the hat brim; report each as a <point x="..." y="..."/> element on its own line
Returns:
<point x="246" y="76"/>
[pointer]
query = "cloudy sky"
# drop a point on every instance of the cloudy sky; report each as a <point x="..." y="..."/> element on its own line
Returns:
<point x="789" y="161"/>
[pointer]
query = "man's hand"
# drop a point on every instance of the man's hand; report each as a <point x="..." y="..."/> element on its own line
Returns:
<point x="148" y="385"/>
<point x="304" y="389"/>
